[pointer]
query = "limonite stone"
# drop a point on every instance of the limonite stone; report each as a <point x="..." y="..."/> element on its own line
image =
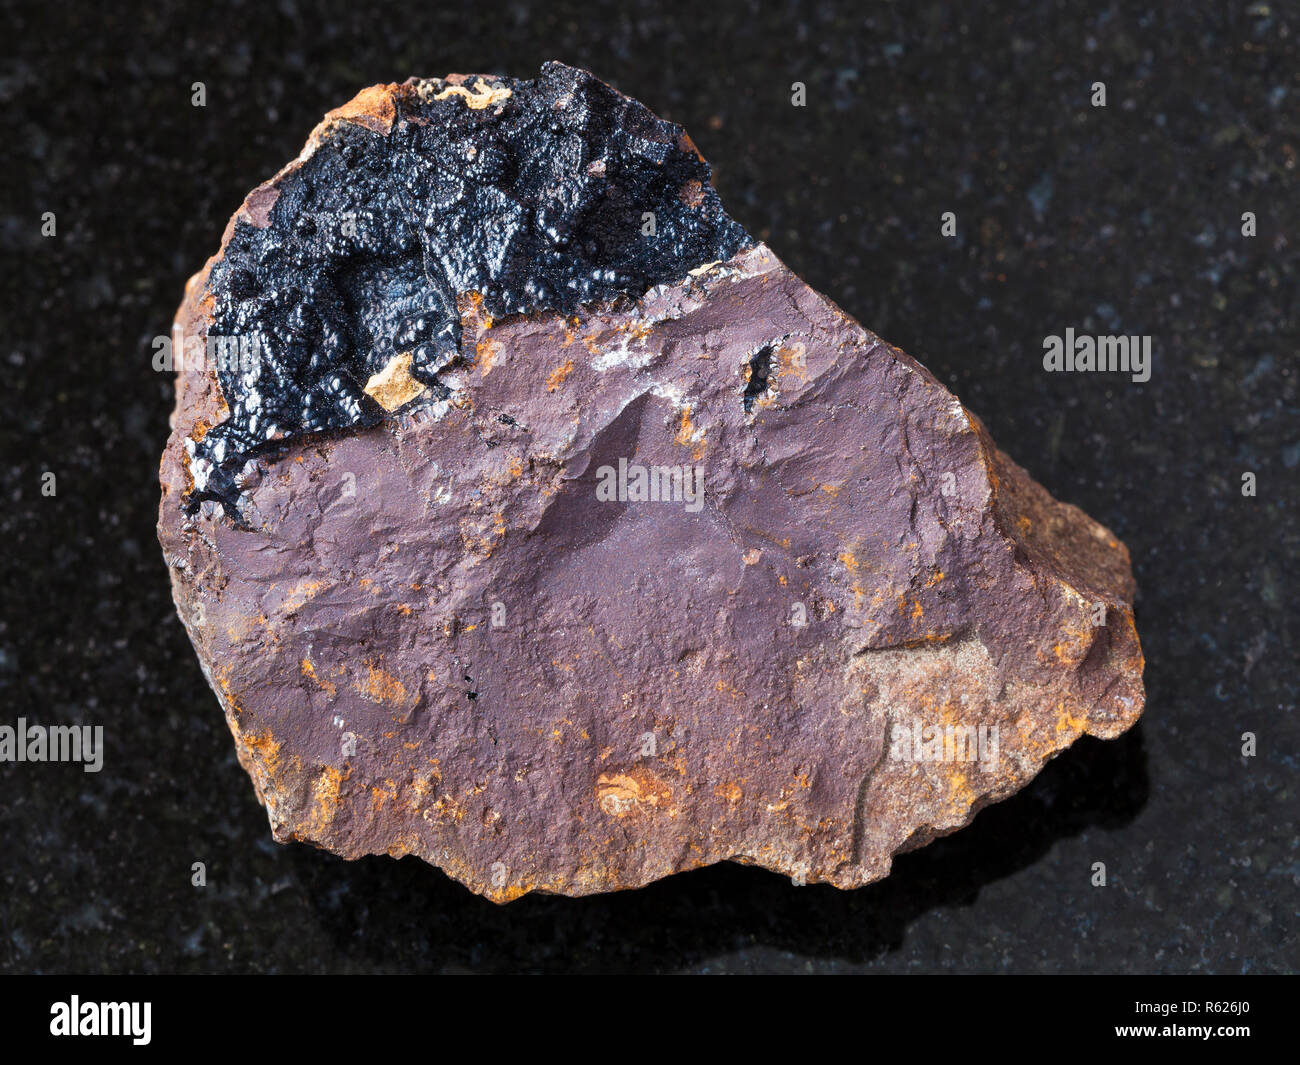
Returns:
<point x="529" y="516"/>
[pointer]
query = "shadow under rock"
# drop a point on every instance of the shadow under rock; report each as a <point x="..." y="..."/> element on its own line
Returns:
<point x="403" y="916"/>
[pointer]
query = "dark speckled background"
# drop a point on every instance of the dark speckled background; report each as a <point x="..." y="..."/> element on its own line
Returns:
<point x="1117" y="220"/>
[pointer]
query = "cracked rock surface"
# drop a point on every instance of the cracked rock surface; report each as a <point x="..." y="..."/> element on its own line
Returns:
<point x="613" y="554"/>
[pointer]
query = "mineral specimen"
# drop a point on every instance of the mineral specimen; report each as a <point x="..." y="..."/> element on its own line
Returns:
<point x="558" y="534"/>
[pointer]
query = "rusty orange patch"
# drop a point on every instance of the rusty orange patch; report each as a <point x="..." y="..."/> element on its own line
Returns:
<point x="632" y="791"/>
<point x="557" y="376"/>
<point x="381" y="687"/>
<point x="372" y="108"/>
<point x="309" y="671"/>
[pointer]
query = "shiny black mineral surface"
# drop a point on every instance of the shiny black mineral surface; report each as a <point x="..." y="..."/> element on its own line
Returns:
<point x="558" y="193"/>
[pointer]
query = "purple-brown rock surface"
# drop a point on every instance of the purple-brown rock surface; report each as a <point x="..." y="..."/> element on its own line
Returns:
<point x="553" y="531"/>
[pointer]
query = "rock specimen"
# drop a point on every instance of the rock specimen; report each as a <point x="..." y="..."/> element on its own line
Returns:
<point x="534" y="519"/>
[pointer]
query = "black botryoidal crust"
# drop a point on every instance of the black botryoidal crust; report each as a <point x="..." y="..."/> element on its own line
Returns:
<point x="538" y="203"/>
